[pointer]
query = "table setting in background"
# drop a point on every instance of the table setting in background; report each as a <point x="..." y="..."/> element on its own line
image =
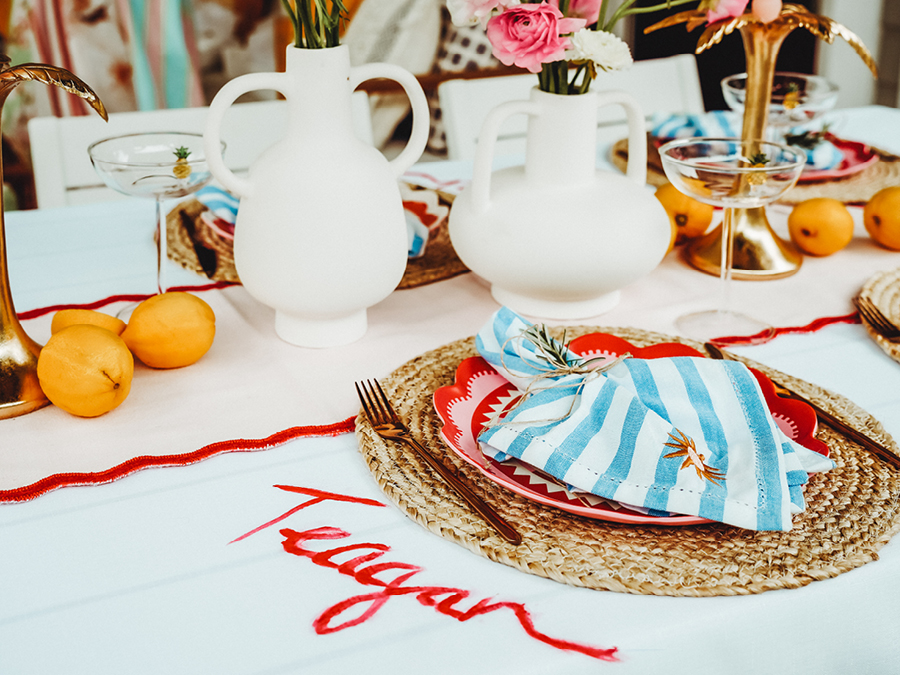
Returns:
<point x="461" y="416"/>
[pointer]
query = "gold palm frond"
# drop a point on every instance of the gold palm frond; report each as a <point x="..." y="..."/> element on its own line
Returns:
<point x="12" y="76"/>
<point x="792" y="16"/>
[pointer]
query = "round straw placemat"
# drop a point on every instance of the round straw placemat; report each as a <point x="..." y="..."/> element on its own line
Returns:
<point x="883" y="289"/>
<point x="857" y="188"/>
<point x="438" y="263"/>
<point x="852" y="511"/>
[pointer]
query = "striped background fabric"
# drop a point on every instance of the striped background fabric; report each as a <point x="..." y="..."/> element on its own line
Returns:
<point x="681" y="435"/>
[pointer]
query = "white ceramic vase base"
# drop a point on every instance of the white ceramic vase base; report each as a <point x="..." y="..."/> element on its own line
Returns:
<point x="318" y="334"/>
<point x="537" y="308"/>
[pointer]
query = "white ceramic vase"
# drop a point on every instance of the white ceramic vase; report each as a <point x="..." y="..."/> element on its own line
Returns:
<point x="320" y="234"/>
<point x="557" y="238"/>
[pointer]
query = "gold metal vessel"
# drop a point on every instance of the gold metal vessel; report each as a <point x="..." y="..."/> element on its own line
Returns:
<point x="20" y="391"/>
<point x="758" y="253"/>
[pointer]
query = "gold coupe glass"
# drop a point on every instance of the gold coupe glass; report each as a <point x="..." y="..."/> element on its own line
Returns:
<point x="156" y="165"/>
<point x="733" y="174"/>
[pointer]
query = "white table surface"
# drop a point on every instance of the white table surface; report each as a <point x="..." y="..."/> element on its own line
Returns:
<point x="139" y="576"/>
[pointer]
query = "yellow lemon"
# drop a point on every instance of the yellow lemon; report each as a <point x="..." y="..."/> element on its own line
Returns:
<point x="881" y="216"/>
<point x="85" y="370"/>
<point x="689" y="217"/>
<point x="170" y="330"/>
<point x="73" y="317"/>
<point x="820" y="226"/>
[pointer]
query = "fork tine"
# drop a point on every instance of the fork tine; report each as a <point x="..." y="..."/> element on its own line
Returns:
<point x="875" y="317"/>
<point x="388" y="408"/>
<point x="368" y="406"/>
<point x="883" y="321"/>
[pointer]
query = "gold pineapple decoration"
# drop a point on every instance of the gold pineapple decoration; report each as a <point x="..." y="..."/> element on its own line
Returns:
<point x="182" y="169"/>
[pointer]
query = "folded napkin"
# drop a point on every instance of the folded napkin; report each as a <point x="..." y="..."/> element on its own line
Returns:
<point x="726" y="124"/>
<point x="223" y="204"/>
<point x="684" y="435"/>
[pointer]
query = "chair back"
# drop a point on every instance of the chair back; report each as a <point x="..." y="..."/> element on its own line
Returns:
<point x="667" y="85"/>
<point x="64" y="175"/>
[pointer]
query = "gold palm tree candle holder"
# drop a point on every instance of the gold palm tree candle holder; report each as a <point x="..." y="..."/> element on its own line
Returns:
<point x="758" y="253"/>
<point x="20" y="391"/>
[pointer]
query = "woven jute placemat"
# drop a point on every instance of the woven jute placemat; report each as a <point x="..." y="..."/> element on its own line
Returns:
<point x="857" y="188"/>
<point x="852" y="510"/>
<point x="884" y="290"/>
<point x="439" y="262"/>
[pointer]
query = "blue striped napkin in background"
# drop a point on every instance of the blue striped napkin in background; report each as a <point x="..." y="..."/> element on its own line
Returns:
<point x="727" y="124"/>
<point x="681" y="435"/>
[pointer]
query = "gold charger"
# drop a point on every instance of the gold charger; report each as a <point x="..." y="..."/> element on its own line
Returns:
<point x="852" y="511"/>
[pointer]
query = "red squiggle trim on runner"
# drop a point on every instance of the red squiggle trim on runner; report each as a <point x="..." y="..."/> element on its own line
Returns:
<point x="130" y="466"/>
<point x="42" y="311"/>
<point x="766" y="336"/>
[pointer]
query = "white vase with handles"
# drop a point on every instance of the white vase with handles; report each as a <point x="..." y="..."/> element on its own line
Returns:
<point x="320" y="234"/>
<point x="557" y="238"/>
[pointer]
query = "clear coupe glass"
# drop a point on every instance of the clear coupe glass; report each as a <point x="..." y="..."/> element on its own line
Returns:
<point x="797" y="100"/>
<point x="733" y="174"/>
<point x="155" y="165"/>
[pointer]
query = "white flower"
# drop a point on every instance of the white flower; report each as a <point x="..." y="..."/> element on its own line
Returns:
<point x="604" y="49"/>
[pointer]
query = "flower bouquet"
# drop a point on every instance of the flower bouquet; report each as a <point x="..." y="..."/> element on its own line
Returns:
<point x="568" y="42"/>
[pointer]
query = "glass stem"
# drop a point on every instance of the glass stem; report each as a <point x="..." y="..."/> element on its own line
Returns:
<point x="161" y="248"/>
<point x="727" y="260"/>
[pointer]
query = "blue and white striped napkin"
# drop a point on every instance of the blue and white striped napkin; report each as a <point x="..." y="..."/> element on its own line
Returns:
<point x="727" y="124"/>
<point x="680" y="435"/>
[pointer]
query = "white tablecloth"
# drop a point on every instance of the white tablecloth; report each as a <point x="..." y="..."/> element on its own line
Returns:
<point x="139" y="575"/>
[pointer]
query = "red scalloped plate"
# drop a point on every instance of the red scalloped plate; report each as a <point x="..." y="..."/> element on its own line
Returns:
<point x="857" y="157"/>
<point x="479" y="390"/>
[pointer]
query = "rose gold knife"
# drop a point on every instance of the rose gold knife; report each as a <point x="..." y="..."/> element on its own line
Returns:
<point x="869" y="444"/>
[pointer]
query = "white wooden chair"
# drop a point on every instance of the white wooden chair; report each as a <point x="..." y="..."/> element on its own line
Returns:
<point x="64" y="175"/>
<point x="668" y="85"/>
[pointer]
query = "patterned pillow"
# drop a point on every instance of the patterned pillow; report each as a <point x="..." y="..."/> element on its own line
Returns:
<point x="461" y="49"/>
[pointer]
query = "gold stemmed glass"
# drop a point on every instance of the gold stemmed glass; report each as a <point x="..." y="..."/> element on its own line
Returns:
<point x="733" y="174"/>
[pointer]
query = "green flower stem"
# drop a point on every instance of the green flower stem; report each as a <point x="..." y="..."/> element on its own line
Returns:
<point x="315" y="27"/>
<point x="626" y="9"/>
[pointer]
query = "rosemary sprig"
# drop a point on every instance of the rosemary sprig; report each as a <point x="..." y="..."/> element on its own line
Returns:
<point x="555" y="352"/>
<point x="807" y="139"/>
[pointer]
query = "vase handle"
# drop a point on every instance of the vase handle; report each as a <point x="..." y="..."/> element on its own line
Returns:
<point x="637" y="133"/>
<point x="421" y="117"/>
<point x="227" y="95"/>
<point x="484" y="151"/>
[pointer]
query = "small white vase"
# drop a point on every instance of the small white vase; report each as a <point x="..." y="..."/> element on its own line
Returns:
<point x="320" y="233"/>
<point x="557" y="238"/>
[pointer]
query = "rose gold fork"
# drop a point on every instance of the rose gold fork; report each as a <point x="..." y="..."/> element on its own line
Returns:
<point x="876" y="319"/>
<point x="388" y="425"/>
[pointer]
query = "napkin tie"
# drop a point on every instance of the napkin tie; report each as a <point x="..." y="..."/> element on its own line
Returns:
<point x="682" y="434"/>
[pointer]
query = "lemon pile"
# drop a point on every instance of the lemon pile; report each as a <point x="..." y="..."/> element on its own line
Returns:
<point x="823" y="226"/>
<point x="87" y="365"/>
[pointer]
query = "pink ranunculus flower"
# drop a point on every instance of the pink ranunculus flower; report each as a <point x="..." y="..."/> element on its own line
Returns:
<point x="530" y="35"/>
<point x="716" y="10"/>
<point x="589" y="10"/>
